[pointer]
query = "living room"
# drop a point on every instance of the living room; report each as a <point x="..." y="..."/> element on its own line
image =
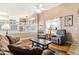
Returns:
<point x="46" y="31"/>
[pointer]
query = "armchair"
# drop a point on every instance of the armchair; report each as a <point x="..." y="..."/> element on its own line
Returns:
<point x="60" y="37"/>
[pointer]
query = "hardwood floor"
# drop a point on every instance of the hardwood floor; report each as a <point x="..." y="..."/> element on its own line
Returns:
<point x="64" y="48"/>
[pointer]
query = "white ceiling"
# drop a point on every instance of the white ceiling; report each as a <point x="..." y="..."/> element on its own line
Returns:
<point x="22" y="9"/>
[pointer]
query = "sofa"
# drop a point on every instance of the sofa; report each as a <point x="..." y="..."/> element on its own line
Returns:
<point x="17" y="47"/>
<point x="60" y="37"/>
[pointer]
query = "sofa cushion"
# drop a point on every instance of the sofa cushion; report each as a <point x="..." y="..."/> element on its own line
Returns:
<point x="24" y="42"/>
<point x="22" y="50"/>
<point x="4" y="42"/>
<point x="61" y="32"/>
<point x="12" y="39"/>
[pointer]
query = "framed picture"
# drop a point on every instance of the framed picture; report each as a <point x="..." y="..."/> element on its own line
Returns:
<point x="68" y="20"/>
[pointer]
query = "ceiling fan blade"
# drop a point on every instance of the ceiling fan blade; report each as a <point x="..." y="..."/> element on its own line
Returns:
<point x="34" y="6"/>
<point x="38" y="6"/>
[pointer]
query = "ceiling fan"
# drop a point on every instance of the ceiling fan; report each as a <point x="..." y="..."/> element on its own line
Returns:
<point x="38" y="8"/>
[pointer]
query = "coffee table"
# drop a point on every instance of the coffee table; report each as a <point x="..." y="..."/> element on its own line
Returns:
<point x="42" y="43"/>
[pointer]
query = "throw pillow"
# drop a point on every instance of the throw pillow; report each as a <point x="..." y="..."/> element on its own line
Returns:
<point x="12" y="39"/>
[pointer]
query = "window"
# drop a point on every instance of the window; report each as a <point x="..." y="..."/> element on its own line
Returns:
<point x="2" y="22"/>
<point x="29" y="26"/>
<point x="54" y="24"/>
<point x="13" y="25"/>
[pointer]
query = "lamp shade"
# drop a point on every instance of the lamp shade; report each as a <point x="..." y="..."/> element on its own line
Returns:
<point x="5" y="27"/>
